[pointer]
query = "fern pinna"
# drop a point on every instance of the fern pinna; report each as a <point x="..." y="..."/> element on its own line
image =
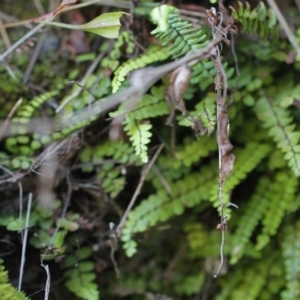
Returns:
<point x="278" y="121"/>
<point x="8" y="292"/>
<point x="290" y="252"/>
<point x="172" y="29"/>
<point x="259" y="21"/>
<point x="156" y="54"/>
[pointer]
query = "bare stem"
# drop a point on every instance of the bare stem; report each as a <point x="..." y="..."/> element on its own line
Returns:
<point x="138" y="189"/>
<point x="25" y="241"/>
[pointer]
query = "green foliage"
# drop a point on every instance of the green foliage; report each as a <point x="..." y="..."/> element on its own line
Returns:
<point x="205" y="112"/>
<point x="277" y="207"/>
<point x="106" y="25"/>
<point x="268" y="204"/>
<point x="278" y="121"/>
<point x="159" y="207"/>
<point x="41" y="217"/>
<point x="21" y="143"/>
<point x="202" y="243"/>
<point x="7" y="291"/>
<point x="189" y="285"/>
<point x="172" y="29"/>
<point x="253" y="282"/>
<point x="19" y="162"/>
<point x="171" y="229"/>
<point x="152" y="105"/>
<point x="156" y="54"/>
<point x="202" y="74"/>
<point x="260" y="20"/>
<point x="109" y="155"/>
<point x="139" y="134"/>
<point x="81" y="279"/>
<point x="125" y="40"/>
<point x="291" y="251"/>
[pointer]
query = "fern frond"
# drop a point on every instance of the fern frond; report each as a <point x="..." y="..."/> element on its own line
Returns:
<point x="203" y="243"/>
<point x="119" y="151"/>
<point x="125" y="42"/>
<point x="156" y="54"/>
<point x="253" y="281"/>
<point x="7" y="291"/>
<point x="172" y="29"/>
<point x="203" y="74"/>
<point x="277" y="206"/>
<point x="18" y="162"/>
<point x="139" y="134"/>
<point x="259" y="21"/>
<point x="21" y="144"/>
<point x="229" y="286"/>
<point x="291" y="254"/>
<point x="110" y="174"/>
<point x="160" y="207"/>
<point x="278" y="121"/>
<point x="26" y="111"/>
<point x="81" y="280"/>
<point x="256" y="207"/>
<point x="190" y="284"/>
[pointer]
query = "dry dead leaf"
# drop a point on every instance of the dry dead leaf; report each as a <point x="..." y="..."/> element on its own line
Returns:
<point x="179" y="81"/>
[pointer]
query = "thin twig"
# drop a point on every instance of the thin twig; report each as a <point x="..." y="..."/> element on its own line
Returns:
<point x="138" y="189"/>
<point x="285" y="26"/>
<point x="47" y="287"/>
<point x="82" y="82"/>
<point x="221" y="254"/>
<point x="237" y="70"/>
<point x="34" y="58"/>
<point x="63" y="214"/>
<point x="21" y="41"/>
<point x="25" y="242"/>
<point x="162" y="179"/>
<point x="39" y="7"/>
<point x="10" y="71"/>
<point x="4" y="34"/>
<point x="11" y="113"/>
<point x="20" y="205"/>
<point x="119" y="4"/>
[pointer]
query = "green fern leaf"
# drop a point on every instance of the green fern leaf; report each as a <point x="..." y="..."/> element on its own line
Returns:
<point x="255" y="209"/>
<point x="152" y="105"/>
<point x="258" y="21"/>
<point x="160" y="207"/>
<point x="172" y="29"/>
<point x="81" y="284"/>
<point x="291" y="254"/>
<point x="139" y="134"/>
<point x="278" y="122"/>
<point x="156" y="54"/>
<point x="277" y="206"/>
<point x="253" y="281"/>
<point x="7" y="291"/>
